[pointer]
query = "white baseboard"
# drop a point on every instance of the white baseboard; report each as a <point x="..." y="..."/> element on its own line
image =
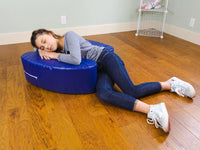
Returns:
<point x="183" y="34"/>
<point x="22" y="37"/>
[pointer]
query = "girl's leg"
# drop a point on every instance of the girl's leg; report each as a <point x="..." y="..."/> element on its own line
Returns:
<point x="105" y="92"/>
<point x="157" y="114"/>
<point x="165" y="86"/>
<point x="115" y="68"/>
<point x="141" y="107"/>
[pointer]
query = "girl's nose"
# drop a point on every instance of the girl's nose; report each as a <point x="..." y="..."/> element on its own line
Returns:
<point x="46" y="46"/>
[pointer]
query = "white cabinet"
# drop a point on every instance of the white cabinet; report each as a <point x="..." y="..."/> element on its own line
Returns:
<point x="151" y="21"/>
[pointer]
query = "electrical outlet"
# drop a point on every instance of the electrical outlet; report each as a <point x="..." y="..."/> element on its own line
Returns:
<point x="192" y="22"/>
<point x="63" y="20"/>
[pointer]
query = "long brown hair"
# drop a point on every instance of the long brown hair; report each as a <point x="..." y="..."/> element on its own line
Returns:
<point x="40" y="32"/>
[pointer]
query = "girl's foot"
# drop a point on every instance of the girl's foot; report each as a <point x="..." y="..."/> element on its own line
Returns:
<point x="182" y="88"/>
<point x="158" y="115"/>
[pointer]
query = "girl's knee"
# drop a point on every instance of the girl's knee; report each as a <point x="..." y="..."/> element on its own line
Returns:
<point x="104" y="94"/>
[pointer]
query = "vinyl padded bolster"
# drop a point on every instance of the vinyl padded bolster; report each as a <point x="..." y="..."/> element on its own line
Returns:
<point x="61" y="77"/>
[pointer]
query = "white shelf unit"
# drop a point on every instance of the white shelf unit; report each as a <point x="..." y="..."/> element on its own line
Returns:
<point x="151" y="22"/>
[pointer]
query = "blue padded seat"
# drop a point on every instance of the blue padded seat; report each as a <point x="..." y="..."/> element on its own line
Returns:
<point x="61" y="77"/>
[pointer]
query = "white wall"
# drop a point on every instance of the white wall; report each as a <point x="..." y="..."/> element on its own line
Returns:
<point x="19" y="18"/>
<point x="27" y="15"/>
<point x="180" y="13"/>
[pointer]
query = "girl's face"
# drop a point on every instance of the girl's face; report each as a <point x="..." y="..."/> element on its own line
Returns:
<point x="46" y="42"/>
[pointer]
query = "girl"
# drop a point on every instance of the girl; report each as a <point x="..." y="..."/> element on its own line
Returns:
<point x="71" y="48"/>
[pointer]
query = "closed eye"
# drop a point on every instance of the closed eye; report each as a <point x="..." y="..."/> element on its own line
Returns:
<point x="43" y="41"/>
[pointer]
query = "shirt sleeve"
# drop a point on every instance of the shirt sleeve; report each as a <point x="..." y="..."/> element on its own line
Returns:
<point x="72" y="44"/>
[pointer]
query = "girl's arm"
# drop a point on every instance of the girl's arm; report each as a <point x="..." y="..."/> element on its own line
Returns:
<point x="72" y="44"/>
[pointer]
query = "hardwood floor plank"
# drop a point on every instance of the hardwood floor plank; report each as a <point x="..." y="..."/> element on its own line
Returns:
<point x="188" y="122"/>
<point x="111" y="133"/>
<point x="18" y="110"/>
<point x="18" y="119"/>
<point x="93" y="105"/>
<point x="168" y="143"/>
<point x="137" y="136"/>
<point x="193" y="110"/>
<point x="89" y="134"/>
<point x="43" y="136"/>
<point x="4" y="138"/>
<point x="61" y="123"/>
<point x="184" y="137"/>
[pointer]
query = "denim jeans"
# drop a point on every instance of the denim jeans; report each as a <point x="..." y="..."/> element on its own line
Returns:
<point x="111" y="70"/>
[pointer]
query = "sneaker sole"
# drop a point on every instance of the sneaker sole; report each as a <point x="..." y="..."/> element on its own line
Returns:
<point x="167" y="121"/>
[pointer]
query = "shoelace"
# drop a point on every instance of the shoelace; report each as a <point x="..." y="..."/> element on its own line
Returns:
<point x="180" y="91"/>
<point x="153" y="121"/>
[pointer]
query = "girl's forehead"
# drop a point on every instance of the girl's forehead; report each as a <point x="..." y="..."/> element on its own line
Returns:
<point x="38" y="37"/>
<point x="42" y="35"/>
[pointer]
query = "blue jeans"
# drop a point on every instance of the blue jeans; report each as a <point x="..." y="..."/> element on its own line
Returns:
<point x="111" y="70"/>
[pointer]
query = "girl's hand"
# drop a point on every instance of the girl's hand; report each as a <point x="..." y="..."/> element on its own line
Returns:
<point x="43" y="54"/>
<point x="47" y="55"/>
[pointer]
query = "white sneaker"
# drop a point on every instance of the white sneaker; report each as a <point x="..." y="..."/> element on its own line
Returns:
<point x="182" y="88"/>
<point x="158" y="115"/>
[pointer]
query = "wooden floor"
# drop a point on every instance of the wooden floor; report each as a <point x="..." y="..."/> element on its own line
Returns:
<point x="35" y="119"/>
